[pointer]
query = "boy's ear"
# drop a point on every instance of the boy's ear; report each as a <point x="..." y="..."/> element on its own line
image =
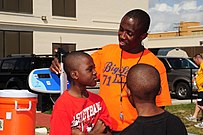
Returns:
<point x="143" y="36"/>
<point x="74" y="75"/>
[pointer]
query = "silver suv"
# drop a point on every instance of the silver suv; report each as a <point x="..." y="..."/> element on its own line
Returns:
<point x="181" y="74"/>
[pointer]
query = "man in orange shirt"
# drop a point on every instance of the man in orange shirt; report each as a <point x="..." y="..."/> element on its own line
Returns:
<point x="113" y="63"/>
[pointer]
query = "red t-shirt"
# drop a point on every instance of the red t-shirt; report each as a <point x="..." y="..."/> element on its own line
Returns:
<point x="81" y="113"/>
<point x="108" y="67"/>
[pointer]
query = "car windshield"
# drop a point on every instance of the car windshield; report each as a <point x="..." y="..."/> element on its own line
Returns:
<point x="43" y="62"/>
<point x="182" y="63"/>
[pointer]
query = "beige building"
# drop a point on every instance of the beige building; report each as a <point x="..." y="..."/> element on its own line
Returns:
<point x="184" y="29"/>
<point x="189" y="37"/>
<point x="40" y="26"/>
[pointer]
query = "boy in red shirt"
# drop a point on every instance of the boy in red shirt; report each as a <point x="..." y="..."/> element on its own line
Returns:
<point x="78" y="111"/>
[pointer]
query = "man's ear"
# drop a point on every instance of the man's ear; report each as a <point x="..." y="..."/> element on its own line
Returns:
<point x="74" y="75"/>
<point x="128" y="92"/>
<point x="143" y="36"/>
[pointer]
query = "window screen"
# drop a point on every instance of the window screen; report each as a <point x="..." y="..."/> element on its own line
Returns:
<point x="19" y="6"/>
<point x="1" y="44"/>
<point x="15" y="42"/>
<point x="66" y="8"/>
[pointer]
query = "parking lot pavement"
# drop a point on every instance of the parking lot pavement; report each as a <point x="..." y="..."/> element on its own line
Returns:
<point x="41" y="131"/>
<point x="96" y="90"/>
<point x="186" y="101"/>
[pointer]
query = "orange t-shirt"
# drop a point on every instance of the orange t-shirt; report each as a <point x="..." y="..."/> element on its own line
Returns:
<point x="107" y="63"/>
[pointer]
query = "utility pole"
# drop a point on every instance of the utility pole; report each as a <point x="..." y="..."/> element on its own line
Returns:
<point x="178" y="27"/>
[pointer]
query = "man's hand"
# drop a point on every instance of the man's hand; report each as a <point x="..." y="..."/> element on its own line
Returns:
<point x="55" y="66"/>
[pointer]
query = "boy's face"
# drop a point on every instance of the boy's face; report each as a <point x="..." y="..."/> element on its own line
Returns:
<point x="86" y="72"/>
<point x="129" y="34"/>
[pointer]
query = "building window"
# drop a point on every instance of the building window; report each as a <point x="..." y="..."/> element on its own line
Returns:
<point x="2" y="53"/>
<point x="66" y="8"/>
<point x="17" y="6"/>
<point x="200" y="32"/>
<point x="66" y="47"/>
<point x="15" y="42"/>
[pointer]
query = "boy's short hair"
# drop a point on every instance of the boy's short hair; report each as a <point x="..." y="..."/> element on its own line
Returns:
<point x="72" y="60"/>
<point x="143" y="81"/>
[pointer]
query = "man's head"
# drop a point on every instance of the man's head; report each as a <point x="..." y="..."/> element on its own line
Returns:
<point x="143" y="83"/>
<point x="133" y="29"/>
<point x="198" y="59"/>
<point x="80" y="68"/>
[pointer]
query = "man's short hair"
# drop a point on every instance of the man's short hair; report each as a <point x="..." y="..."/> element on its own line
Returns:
<point x="197" y="56"/>
<point x="143" y="18"/>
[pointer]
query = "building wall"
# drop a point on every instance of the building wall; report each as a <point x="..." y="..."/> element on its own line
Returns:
<point x="183" y="41"/>
<point x="184" y="29"/>
<point x="189" y="38"/>
<point x="95" y="25"/>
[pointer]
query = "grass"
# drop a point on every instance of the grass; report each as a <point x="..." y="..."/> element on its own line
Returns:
<point x="182" y="111"/>
<point x="48" y="112"/>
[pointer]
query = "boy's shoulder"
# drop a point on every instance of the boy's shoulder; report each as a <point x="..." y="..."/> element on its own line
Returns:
<point x="174" y="121"/>
<point x="64" y="97"/>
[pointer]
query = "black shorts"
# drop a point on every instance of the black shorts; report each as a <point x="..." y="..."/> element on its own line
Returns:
<point x="200" y="98"/>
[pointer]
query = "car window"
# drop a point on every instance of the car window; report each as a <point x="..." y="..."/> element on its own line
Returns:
<point x="192" y="64"/>
<point x="175" y="62"/>
<point x="8" y="64"/>
<point x="44" y="62"/>
<point x="178" y="63"/>
<point x="23" y="65"/>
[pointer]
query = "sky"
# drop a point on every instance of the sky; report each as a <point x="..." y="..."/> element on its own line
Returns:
<point x="167" y="14"/>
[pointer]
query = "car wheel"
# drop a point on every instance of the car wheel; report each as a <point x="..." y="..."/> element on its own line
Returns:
<point x="182" y="90"/>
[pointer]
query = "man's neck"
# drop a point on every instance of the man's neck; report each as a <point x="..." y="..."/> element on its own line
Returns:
<point x="136" y="50"/>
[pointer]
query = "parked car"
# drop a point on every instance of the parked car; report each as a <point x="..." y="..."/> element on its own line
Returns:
<point x="14" y="71"/>
<point x="181" y="75"/>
